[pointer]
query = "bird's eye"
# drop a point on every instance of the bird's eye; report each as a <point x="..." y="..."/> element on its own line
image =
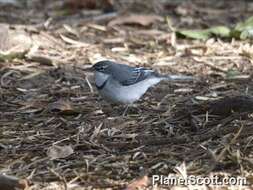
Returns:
<point x="102" y="67"/>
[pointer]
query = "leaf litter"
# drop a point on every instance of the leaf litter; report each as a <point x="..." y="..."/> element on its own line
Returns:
<point x="57" y="132"/>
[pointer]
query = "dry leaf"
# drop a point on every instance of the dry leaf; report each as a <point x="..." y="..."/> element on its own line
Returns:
<point x="73" y="42"/>
<point x="97" y="27"/>
<point x="143" y="20"/>
<point x="138" y="184"/>
<point x="42" y="59"/>
<point x="55" y="152"/>
<point x="71" y="30"/>
<point x="114" y="41"/>
<point x="61" y="106"/>
<point x="150" y="33"/>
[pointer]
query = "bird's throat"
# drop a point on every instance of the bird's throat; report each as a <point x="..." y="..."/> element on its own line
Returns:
<point x="101" y="79"/>
<point x="101" y="86"/>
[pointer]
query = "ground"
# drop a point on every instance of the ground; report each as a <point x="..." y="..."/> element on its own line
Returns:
<point x="58" y="133"/>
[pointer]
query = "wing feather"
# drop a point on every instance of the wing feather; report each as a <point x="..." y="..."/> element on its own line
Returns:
<point x="127" y="75"/>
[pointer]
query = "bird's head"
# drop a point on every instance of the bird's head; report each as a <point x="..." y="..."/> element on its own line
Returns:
<point x="102" y="66"/>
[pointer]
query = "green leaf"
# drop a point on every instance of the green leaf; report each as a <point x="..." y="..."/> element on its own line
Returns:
<point x="195" y="34"/>
<point x="246" y="34"/>
<point x="220" y="31"/>
<point x="246" y="25"/>
<point x="232" y="73"/>
<point x="12" y="55"/>
<point x="244" y="30"/>
<point x="235" y="34"/>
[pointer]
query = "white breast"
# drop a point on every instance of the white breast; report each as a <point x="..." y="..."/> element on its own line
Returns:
<point x="113" y="91"/>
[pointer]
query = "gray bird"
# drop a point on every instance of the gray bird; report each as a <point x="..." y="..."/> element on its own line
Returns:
<point x="123" y="84"/>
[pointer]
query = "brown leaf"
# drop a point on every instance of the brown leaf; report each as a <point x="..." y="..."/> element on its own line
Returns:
<point x="143" y="20"/>
<point x="55" y="151"/>
<point x="73" y="42"/>
<point x="61" y="106"/>
<point x="138" y="183"/>
<point x="71" y="30"/>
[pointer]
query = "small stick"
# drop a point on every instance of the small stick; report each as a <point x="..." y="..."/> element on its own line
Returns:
<point x="90" y="86"/>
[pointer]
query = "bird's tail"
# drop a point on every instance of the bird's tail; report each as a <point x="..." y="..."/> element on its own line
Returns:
<point x="178" y="78"/>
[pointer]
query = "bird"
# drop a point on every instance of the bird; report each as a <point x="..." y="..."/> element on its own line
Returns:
<point x="123" y="84"/>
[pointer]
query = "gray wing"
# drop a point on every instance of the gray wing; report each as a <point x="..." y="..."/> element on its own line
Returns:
<point x="127" y="75"/>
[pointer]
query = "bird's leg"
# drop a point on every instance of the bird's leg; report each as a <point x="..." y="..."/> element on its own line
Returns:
<point x="125" y="111"/>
